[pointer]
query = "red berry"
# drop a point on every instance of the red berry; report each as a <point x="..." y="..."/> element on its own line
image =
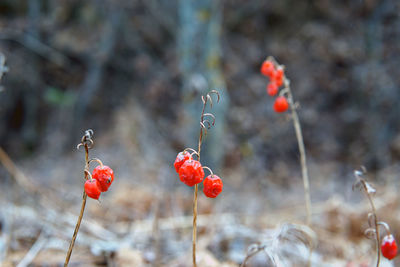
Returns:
<point x="191" y="172"/>
<point x="267" y="68"/>
<point x="279" y="73"/>
<point x="105" y="176"/>
<point x="279" y="82"/>
<point x="92" y="188"/>
<point x="180" y="159"/>
<point x="212" y="186"/>
<point x="281" y="104"/>
<point x="278" y="76"/>
<point x="272" y="89"/>
<point x="389" y="247"/>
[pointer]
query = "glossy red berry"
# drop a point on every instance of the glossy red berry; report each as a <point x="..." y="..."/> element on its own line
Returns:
<point x="389" y="247"/>
<point x="281" y="104"/>
<point x="92" y="188"/>
<point x="191" y="172"/>
<point x="212" y="186"/>
<point x="105" y="176"/>
<point x="267" y="68"/>
<point x="180" y="159"/>
<point x="272" y="88"/>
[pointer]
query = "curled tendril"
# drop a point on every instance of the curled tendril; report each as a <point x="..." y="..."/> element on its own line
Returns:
<point x="370" y="233"/>
<point x="206" y="124"/>
<point x="209" y="98"/>
<point x="86" y="139"/>
<point x="207" y="120"/>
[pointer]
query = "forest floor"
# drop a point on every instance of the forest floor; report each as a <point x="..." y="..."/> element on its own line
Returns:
<point x="146" y="219"/>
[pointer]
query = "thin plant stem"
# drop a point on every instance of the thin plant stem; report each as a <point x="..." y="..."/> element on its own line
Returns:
<point x="302" y="150"/>
<point x="303" y="158"/>
<point x="368" y="191"/>
<point x="377" y="237"/>
<point x="300" y="142"/>
<point x="196" y="187"/>
<point x="78" y="223"/>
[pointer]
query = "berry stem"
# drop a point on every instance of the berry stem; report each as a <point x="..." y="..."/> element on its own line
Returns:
<point x="192" y="150"/>
<point x="196" y="190"/>
<point x="375" y="217"/>
<point x="377" y="238"/>
<point x="203" y="127"/>
<point x="87" y="174"/>
<point x="86" y="142"/>
<point x="97" y="160"/>
<point x="302" y="150"/>
<point x="207" y="168"/>
<point x="386" y="227"/>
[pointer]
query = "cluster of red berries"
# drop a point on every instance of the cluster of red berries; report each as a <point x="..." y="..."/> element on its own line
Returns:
<point x="276" y="76"/>
<point x="389" y="247"/>
<point x="191" y="173"/>
<point x="101" y="179"/>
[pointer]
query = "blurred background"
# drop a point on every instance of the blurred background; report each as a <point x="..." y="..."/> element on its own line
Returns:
<point x="134" y="72"/>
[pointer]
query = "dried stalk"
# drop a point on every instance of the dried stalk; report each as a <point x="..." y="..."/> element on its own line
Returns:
<point x="204" y="124"/>
<point x="377" y="237"/>
<point x="196" y="189"/>
<point x="368" y="191"/>
<point x="86" y="141"/>
<point x="302" y="150"/>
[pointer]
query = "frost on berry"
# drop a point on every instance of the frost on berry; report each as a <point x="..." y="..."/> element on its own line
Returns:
<point x="212" y="186"/>
<point x="180" y="159"/>
<point x="389" y="247"/>
<point x="191" y="172"/>
<point x="105" y="176"/>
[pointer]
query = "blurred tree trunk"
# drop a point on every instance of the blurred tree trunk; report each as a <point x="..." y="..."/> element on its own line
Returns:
<point x="30" y="95"/>
<point x="200" y="52"/>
